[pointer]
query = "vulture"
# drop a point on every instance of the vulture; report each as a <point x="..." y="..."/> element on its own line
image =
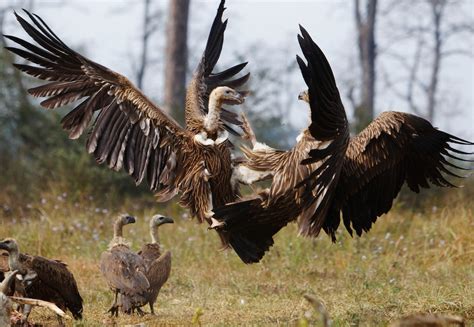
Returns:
<point x="129" y="132"/>
<point x="328" y="174"/>
<point x="157" y="264"/>
<point x="5" y="303"/>
<point x="124" y="271"/>
<point x="43" y="279"/>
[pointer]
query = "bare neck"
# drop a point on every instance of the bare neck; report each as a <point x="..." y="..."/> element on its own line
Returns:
<point x="118" y="229"/>
<point x="155" y="239"/>
<point x="14" y="260"/>
<point x="211" y="121"/>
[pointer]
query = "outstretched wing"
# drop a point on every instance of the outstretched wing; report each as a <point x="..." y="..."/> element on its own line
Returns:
<point x="395" y="148"/>
<point x="129" y="130"/>
<point x="328" y="125"/>
<point x="204" y="80"/>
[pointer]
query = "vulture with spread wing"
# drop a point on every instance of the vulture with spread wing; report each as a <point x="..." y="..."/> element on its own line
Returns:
<point x="328" y="174"/>
<point x="130" y="132"/>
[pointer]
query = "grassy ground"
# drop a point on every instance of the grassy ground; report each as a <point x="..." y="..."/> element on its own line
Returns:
<point x="412" y="261"/>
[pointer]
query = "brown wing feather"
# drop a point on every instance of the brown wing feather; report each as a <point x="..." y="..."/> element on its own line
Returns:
<point x="396" y="148"/>
<point x="129" y="129"/>
<point x="55" y="279"/>
<point x="158" y="273"/>
<point x="124" y="270"/>
<point x="204" y="80"/>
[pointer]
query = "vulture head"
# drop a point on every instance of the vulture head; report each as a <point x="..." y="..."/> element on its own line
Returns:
<point x="304" y="96"/>
<point x="227" y="95"/>
<point x="9" y="244"/>
<point x="125" y="219"/>
<point x="158" y="220"/>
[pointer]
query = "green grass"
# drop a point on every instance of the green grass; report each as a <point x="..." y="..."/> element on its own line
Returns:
<point x="412" y="261"/>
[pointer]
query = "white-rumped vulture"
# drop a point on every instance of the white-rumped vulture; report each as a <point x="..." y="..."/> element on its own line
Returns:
<point x="158" y="264"/>
<point x="124" y="271"/>
<point x="43" y="279"/>
<point x="357" y="177"/>
<point x="130" y="132"/>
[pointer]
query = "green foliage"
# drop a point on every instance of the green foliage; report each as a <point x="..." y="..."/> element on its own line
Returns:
<point x="36" y="154"/>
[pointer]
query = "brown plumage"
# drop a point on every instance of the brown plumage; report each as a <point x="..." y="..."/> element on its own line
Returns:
<point x="124" y="271"/>
<point x="132" y="133"/>
<point x="44" y="279"/>
<point x="158" y="265"/>
<point x="358" y="177"/>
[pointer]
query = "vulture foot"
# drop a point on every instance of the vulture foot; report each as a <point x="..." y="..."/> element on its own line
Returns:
<point x="216" y="224"/>
<point x="113" y="310"/>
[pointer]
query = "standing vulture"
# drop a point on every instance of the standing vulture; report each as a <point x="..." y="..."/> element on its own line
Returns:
<point x="130" y="132"/>
<point x="158" y="265"/>
<point x="357" y="177"/>
<point x="43" y="279"/>
<point x="124" y="271"/>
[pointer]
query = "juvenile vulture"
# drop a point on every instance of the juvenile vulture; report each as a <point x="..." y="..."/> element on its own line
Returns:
<point x="124" y="271"/>
<point x="130" y="132"/>
<point x="357" y="177"/>
<point x="158" y="265"/>
<point x="43" y="279"/>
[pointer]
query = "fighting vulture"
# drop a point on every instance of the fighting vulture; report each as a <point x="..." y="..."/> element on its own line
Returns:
<point x="43" y="279"/>
<point x="328" y="174"/>
<point x="124" y="271"/>
<point x="157" y="264"/>
<point x="130" y="132"/>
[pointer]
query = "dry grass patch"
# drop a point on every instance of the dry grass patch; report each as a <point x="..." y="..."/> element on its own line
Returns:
<point x="412" y="261"/>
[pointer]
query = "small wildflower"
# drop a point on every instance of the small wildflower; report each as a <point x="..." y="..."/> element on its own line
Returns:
<point x="442" y="243"/>
<point x="43" y="201"/>
<point x="242" y="301"/>
<point x="364" y="257"/>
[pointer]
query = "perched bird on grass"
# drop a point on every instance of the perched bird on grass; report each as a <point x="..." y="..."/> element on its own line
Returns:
<point x="158" y="264"/>
<point x="124" y="271"/>
<point x="43" y="279"/>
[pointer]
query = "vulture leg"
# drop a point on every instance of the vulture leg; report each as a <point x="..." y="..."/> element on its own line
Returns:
<point x="114" y="309"/>
<point x="249" y="134"/>
<point x="209" y="215"/>
<point x="151" y="308"/>
<point x="140" y="312"/>
<point x="25" y="312"/>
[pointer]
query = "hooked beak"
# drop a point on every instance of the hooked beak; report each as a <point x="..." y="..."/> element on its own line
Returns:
<point x="167" y="220"/>
<point x="3" y="246"/>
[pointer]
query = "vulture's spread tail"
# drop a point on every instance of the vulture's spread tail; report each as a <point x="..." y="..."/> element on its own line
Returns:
<point x="250" y="227"/>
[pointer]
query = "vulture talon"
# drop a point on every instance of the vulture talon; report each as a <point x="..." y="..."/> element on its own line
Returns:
<point x="216" y="224"/>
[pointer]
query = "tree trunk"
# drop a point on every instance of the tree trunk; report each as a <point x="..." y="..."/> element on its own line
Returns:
<point x="364" y="111"/>
<point x="145" y="37"/>
<point x="437" y="7"/>
<point x="176" y="58"/>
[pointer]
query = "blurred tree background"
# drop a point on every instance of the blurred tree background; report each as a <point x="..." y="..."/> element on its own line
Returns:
<point x="37" y="157"/>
